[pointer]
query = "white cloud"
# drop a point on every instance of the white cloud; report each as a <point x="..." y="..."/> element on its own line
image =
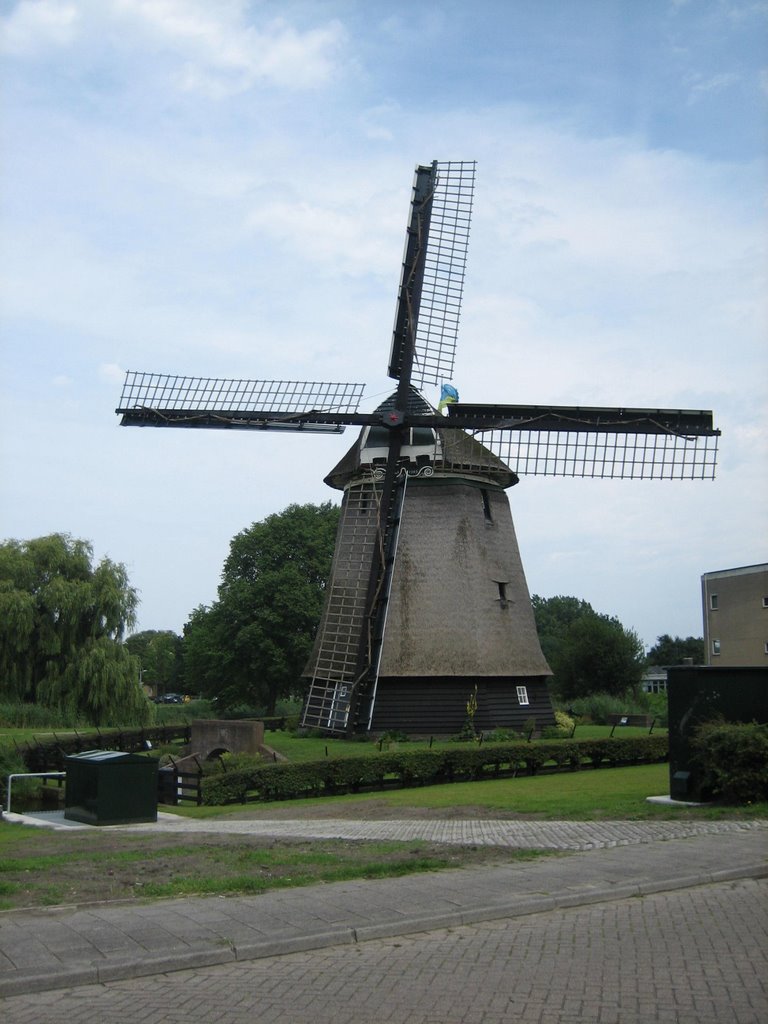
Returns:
<point x="378" y="122"/>
<point x="218" y="49"/>
<point x="222" y="53"/>
<point x="342" y="240"/>
<point x="35" y="25"/>
<point x="700" y="86"/>
<point x="111" y="372"/>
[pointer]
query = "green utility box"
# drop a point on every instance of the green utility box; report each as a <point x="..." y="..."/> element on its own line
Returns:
<point x="108" y="787"/>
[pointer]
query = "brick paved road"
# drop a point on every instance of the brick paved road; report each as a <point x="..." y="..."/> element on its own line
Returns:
<point x="697" y="956"/>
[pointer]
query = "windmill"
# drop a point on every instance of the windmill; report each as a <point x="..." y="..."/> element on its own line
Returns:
<point x="427" y="608"/>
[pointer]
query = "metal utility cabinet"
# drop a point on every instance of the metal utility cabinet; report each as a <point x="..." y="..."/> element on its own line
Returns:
<point x="108" y="787"/>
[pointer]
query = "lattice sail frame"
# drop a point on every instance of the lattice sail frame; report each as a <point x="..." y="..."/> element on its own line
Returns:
<point x="605" y="455"/>
<point x="442" y="285"/>
<point x="159" y="398"/>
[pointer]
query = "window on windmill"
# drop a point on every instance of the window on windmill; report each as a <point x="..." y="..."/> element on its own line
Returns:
<point x="486" y="506"/>
<point x="713" y="602"/>
<point x="378" y="437"/>
<point x="419" y="444"/>
<point x="502" y="594"/>
<point x="522" y="695"/>
<point x="423" y="436"/>
<point x="765" y="602"/>
<point x="715" y="646"/>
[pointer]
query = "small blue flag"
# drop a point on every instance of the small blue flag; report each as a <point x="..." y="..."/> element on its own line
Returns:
<point x="448" y="395"/>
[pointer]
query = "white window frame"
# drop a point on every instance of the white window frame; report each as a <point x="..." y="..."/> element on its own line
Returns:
<point x="715" y="647"/>
<point x="522" y="695"/>
<point x="713" y="604"/>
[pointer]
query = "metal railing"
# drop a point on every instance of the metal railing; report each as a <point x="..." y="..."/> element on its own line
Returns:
<point x="28" y="775"/>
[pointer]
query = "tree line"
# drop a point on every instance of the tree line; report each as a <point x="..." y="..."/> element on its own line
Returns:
<point x="66" y="641"/>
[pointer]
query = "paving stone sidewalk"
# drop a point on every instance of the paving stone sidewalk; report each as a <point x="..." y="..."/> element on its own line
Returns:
<point x="693" y="956"/>
<point x="539" y="835"/>
<point x="62" y="947"/>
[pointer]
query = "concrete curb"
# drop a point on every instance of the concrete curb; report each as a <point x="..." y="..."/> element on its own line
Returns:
<point x="21" y="982"/>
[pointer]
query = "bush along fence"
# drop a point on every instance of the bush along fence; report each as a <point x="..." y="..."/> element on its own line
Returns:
<point x="390" y="770"/>
<point x="732" y="760"/>
<point x="48" y="753"/>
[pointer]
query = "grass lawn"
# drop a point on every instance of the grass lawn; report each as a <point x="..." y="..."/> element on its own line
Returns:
<point x="586" y="795"/>
<point x="40" y="867"/>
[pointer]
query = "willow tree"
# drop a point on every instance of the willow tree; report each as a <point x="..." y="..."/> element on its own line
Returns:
<point x="62" y="623"/>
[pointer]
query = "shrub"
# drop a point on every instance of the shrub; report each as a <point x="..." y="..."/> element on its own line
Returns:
<point x="392" y="736"/>
<point x="419" y="767"/>
<point x="232" y="763"/>
<point x="733" y="759"/>
<point x="173" y="714"/>
<point x="562" y="730"/>
<point x="332" y="776"/>
<point x="598" y="706"/>
<point x="501" y="736"/>
<point x="564" y="721"/>
<point x="12" y="763"/>
<point x="658" y="706"/>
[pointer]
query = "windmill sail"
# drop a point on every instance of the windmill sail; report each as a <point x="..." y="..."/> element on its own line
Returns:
<point x="635" y="444"/>
<point x="434" y="264"/>
<point x="165" y="400"/>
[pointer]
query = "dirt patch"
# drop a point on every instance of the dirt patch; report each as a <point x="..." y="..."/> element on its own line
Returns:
<point x="39" y="868"/>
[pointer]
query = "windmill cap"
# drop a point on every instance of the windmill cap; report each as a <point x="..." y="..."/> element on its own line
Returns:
<point x="432" y="452"/>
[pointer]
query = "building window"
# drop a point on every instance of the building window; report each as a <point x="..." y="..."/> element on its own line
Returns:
<point x="766" y="647"/>
<point x="713" y="602"/>
<point x="715" y="646"/>
<point x="486" y="506"/>
<point x="765" y="602"/>
<point x="654" y="685"/>
<point x="502" y="594"/>
<point x="522" y="695"/>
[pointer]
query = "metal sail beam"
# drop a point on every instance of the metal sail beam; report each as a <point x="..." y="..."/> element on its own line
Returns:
<point x="412" y="274"/>
<point x="581" y="418"/>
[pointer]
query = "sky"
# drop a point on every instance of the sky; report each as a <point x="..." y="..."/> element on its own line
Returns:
<point x="220" y="188"/>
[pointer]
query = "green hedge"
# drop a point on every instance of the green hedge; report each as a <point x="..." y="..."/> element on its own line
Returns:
<point x="733" y="761"/>
<point x="334" y="776"/>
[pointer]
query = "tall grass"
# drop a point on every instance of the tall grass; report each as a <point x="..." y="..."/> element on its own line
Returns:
<point x="596" y="707"/>
<point x="18" y="715"/>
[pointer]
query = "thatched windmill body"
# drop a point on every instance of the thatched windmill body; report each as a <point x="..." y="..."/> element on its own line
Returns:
<point x="427" y="605"/>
